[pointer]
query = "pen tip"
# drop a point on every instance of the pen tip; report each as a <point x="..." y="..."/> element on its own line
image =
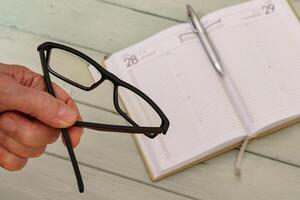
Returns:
<point x="188" y="7"/>
<point x="219" y="69"/>
<point x="189" y="10"/>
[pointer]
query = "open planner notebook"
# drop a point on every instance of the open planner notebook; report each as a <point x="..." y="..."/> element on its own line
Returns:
<point x="258" y="43"/>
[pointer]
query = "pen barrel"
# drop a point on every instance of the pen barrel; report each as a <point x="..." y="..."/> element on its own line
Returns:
<point x="210" y="51"/>
<point x="209" y="47"/>
<point x="204" y="39"/>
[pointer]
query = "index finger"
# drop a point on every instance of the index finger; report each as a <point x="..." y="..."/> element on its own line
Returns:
<point x="33" y="80"/>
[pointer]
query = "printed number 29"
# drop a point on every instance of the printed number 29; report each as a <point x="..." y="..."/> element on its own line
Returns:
<point x="132" y="60"/>
<point x="269" y="8"/>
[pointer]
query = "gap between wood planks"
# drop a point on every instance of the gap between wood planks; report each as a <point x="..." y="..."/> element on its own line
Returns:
<point x="15" y="28"/>
<point x="122" y="176"/>
<point x="108" y="53"/>
<point x="141" y="11"/>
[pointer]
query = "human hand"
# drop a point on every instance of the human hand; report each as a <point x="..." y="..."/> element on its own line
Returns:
<point x="30" y="118"/>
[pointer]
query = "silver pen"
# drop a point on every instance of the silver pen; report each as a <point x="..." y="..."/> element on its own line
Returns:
<point x="210" y="51"/>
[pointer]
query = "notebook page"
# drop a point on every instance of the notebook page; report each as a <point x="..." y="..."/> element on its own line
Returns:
<point x="259" y="46"/>
<point x="175" y="72"/>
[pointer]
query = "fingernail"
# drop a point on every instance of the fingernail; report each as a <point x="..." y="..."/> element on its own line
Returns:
<point x="66" y="116"/>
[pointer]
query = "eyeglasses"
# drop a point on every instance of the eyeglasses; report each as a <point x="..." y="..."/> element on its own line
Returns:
<point x="81" y="71"/>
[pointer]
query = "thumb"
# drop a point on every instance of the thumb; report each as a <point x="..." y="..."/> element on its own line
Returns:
<point x="40" y="105"/>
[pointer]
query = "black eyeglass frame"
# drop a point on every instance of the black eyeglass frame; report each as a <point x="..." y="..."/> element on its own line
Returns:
<point x="151" y="132"/>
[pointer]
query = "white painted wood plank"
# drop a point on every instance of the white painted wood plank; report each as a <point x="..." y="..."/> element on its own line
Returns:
<point x="117" y="153"/>
<point x="110" y="147"/>
<point x="52" y="178"/>
<point x="215" y="179"/>
<point x="110" y="31"/>
<point x="176" y="9"/>
<point x="282" y="145"/>
<point x="86" y="22"/>
<point x="113" y="27"/>
<point x="20" y="48"/>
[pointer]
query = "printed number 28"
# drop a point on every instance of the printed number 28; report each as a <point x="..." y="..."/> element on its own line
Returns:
<point x="132" y="60"/>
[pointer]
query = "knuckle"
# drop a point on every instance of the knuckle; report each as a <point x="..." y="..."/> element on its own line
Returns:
<point x="19" y="73"/>
<point x="54" y="137"/>
<point x="27" y="138"/>
<point x="12" y="167"/>
<point x="44" y="104"/>
<point x="38" y="152"/>
<point x="43" y="99"/>
<point x="2" y="137"/>
<point x="15" y="166"/>
<point x="37" y="81"/>
<point x="10" y="162"/>
<point x="33" y="152"/>
<point x="2" y="78"/>
<point x="7" y="122"/>
<point x="2" y="153"/>
<point x="26" y="76"/>
<point x="25" y="135"/>
<point x="34" y="139"/>
<point x="19" y="69"/>
<point x="6" y="89"/>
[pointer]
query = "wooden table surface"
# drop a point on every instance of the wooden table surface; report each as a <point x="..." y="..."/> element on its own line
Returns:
<point x="110" y="163"/>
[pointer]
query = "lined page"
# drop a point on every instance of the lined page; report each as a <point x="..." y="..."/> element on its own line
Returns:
<point x="259" y="45"/>
<point x="175" y="72"/>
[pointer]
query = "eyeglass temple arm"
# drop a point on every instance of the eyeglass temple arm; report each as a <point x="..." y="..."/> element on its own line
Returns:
<point x="119" y="128"/>
<point x="65" y="133"/>
<point x="73" y="159"/>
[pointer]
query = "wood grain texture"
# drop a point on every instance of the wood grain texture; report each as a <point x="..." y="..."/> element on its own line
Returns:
<point x="89" y="23"/>
<point x="20" y="47"/>
<point x="176" y="9"/>
<point x="214" y="179"/>
<point x="52" y="178"/>
<point x="173" y="9"/>
<point x="85" y="24"/>
<point x="282" y="145"/>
